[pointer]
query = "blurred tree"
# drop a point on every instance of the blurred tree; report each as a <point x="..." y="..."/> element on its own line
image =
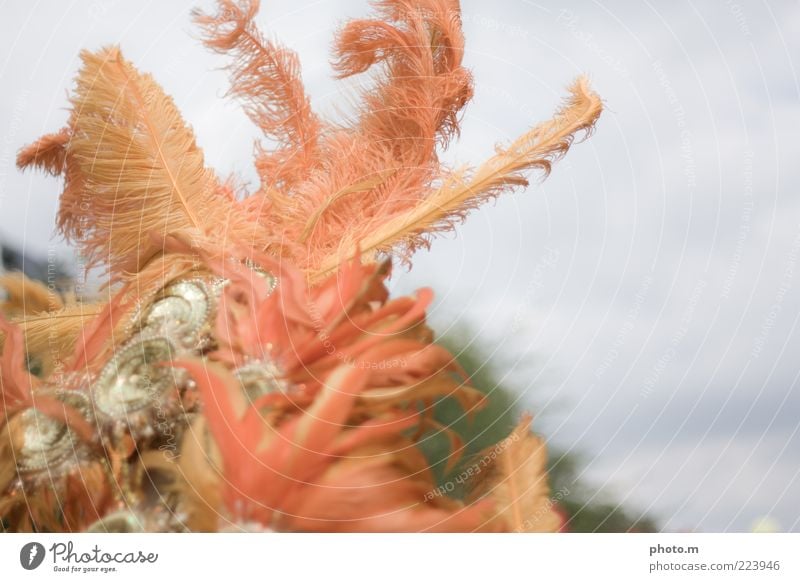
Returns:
<point x="477" y="431"/>
<point x="584" y="511"/>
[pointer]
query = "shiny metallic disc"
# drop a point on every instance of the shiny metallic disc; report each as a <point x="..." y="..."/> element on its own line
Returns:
<point x="133" y="379"/>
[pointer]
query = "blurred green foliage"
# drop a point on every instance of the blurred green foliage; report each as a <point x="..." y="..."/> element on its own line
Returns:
<point x="585" y="510"/>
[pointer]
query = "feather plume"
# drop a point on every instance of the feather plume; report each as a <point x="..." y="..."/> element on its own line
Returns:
<point x="25" y="296"/>
<point x="97" y="336"/>
<point x="381" y="161"/>
<point x="50" y="337"/>
<point x="48" y="152"/>
<point x="513" y="473"/>
<point x="349" y="376"/>
<point x="265" y="77"/>
<point x="378" y="184"/>
<point x="132" y="167"/>
<point x="16" y="384"/>
<point x="422" y="86"/>
<point x="62" y="503"/>
<point x="313" y="472"/>
<point x="308" y="333"/>
<point x="379" y="488"/>
<point x="463" y="191"/>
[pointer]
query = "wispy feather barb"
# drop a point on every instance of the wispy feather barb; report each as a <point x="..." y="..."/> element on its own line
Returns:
<point x="464" y="190"/>
<point x="266" y="78"/>
<point x="373" y="182"/>
<point x="132" y="168"/>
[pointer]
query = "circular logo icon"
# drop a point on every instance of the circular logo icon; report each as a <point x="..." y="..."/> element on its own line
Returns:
<point x="31" y="555"/>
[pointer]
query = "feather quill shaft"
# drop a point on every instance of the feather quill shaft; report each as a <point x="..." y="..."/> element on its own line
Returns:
<point x="462" y="191"/>
<point x="133" y="168"/>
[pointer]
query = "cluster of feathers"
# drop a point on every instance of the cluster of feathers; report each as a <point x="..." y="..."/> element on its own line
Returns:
<point x="338" y="450"/>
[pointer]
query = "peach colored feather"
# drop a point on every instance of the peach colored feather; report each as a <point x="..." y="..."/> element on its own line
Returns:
<point x="83" y="497"/>
<point x="18" y="386"/>
<point x="49" y="328"/>
<point x="308" y="332"/>
<point x="132" y="168"/>
<point x="375" y="179"/>
<point x="325" y="178"/>
<point x="300" y="475"/>
<point x="513" y="473"/>
<point x="326" y="187"/>
<point x="48" y="152"/>
<point x="50" y="337"/>
<point x="333" y="447"/>
<point x="27" y="296"/>
<point x="465" y="190"/>
<point x="265" y="77"/>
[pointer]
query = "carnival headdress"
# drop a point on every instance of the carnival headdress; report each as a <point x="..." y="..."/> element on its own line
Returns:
<point x="249" y="370"/>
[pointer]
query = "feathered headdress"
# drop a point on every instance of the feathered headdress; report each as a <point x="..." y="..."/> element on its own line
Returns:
<point x="249" y="369"/>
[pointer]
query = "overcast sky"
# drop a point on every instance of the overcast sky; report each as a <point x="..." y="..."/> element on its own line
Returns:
<point x="643" y="299"/>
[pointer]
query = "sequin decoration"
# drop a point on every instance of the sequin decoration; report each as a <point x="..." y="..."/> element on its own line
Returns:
<point x="260" y="378"/>
<point x="271" y="280"/>
<point x="119" y="522"/>
<point x="48" y="443"/>
<point x="136" y="392"/>
<point x="182" y="312"/>
<point x="131" y="382"/>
